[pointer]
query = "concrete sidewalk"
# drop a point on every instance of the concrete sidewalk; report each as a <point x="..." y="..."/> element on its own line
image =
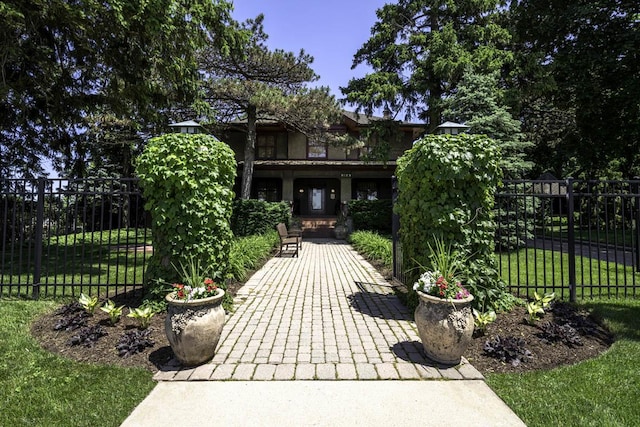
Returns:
<point x="330" y="321"/>
<point x="323" y="403"/>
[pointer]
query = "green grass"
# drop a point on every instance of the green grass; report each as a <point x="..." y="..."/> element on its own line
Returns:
<point x="38" y="388"/>
<point x="92" y="258"/>
<point x="599" y="392"/>
<point x="526" y="267"/>
<point x="557" y="227"/>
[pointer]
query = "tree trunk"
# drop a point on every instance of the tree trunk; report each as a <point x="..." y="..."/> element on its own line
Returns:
<point x="249" y="153"/>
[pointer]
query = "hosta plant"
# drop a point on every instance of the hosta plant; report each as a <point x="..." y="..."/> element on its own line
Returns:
<point x="483" y="319"/>
<point x="114" y="312"/>
<point x="88" y="303"/>
<point x="142" y="315"/>
<point x="536" y="307"/>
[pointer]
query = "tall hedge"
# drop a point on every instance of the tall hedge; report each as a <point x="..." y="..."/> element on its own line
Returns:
<point x="446" y="190"/>
<point x="371" y="215"/>
<point x="252" y="217"/>
<point x="187" y="182"/>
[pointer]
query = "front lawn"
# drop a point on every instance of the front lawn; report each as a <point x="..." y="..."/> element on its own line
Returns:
<point x="38" y="388"/>
<point x="599" y="392"/>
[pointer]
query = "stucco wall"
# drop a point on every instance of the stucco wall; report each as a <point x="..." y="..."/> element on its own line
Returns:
<point x="297" y="146"/>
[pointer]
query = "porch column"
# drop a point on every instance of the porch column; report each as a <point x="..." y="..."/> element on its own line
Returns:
<point x="345" y="186"/>
<point x="287" y="187"/>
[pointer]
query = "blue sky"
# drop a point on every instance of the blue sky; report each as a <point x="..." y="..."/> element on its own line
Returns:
<point x="329" y="30"/>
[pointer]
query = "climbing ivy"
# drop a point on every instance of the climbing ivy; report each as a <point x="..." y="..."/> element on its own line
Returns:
<point x="446" y="190"/>
<point x="187" y="183"/>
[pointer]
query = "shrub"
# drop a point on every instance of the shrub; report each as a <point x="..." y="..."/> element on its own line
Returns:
<point x="372" y="215"/>
<point x="258" y="217"/>
<point x="446" y="190"/>
<point x="187" y="182"/>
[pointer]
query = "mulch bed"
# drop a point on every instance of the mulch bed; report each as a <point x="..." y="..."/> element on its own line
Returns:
<point x="594" y="339"/>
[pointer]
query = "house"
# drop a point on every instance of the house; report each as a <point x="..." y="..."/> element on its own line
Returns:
<point x="315" y="176"/>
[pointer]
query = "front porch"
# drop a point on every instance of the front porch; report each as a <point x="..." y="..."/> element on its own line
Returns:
<point x="317" y="226"/>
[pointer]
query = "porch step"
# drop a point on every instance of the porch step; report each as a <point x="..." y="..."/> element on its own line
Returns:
<point x="321" y="227"/>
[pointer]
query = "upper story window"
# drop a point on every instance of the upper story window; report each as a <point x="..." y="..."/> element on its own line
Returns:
<point x="266" y="147"/>
<point x="316" y="149"/>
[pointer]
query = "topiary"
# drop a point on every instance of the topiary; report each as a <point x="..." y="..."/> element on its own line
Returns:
<point x="187" y="182"/>
<point x="446" y="191"/>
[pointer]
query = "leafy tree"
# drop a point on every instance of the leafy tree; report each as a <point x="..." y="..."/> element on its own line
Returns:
<point x="419" y="50"/>
<point x="580" y="60"/>
<point x="257" y="83"/>
<point x="477" y="102"/>
<point x="63" y="61"/>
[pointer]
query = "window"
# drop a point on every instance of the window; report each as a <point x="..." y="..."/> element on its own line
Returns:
<point x="266" y="147"/>
<point x="366" y="190"/>
<point x="267" y="190"/>
<point x="316" y="149"/>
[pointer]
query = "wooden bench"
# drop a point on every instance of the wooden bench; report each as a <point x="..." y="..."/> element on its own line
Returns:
<point x="287" y="240"/>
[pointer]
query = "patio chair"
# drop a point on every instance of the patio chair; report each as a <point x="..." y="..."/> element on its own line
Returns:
<point x="287" y="240"/>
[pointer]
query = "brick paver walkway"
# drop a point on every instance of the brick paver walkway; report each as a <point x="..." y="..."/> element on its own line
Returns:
<point x="326" y="315"/>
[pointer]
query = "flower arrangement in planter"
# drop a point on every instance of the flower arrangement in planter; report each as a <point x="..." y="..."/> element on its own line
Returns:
<point x="444" y="318"/>
<point x="195" y="315"/>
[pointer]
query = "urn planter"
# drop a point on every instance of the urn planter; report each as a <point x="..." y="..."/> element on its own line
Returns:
<point x="193" y="328"/>
<point x="445" y="327"/>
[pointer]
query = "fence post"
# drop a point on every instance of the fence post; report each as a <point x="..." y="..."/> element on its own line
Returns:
<point x="395" y="225"/>
<point x="571" y="241"/>
<point x="39" y="228"/>
<point x="637" y="248"/>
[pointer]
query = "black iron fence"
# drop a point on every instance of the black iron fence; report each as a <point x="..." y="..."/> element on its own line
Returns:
<point x="576" y="238"/>
<point x="65" y="237"/>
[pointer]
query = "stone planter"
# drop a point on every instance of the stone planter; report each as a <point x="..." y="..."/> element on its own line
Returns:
<point x="193" y="328"/>
<point x="340" y="232"/>
<point x="445" y="327"/>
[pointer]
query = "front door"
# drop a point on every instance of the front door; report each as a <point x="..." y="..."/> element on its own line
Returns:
<point x="316" y="200"/>
<point x="316" y="197"/>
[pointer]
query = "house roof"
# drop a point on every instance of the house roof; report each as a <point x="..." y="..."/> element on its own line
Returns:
<point x="365" y="120"/>
<point x="353" y="118"/>
<point x="322" y="164"/>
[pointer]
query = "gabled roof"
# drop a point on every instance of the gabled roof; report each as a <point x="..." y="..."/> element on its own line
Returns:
<point x="349" y="117"/>
<point x="365" y="120"/>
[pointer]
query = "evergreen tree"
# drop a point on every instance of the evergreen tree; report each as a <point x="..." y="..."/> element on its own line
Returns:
<point x="257" y="83"/>
<point x="477" y="102"/>
<point x="419" y="50"/>
<point x="578" y="82"/>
